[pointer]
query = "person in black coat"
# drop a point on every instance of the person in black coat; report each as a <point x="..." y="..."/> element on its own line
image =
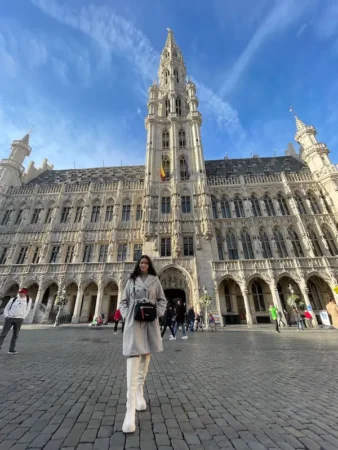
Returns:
<point x="180" y="319"/>
<point x="191" y="318"/>
<point x="168" y="321"/>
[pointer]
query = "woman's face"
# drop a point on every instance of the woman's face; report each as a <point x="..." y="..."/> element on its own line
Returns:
<point x="144" y="265"/>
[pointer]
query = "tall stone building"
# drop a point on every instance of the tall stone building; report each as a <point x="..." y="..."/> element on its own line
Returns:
<point x="246" y="231"/>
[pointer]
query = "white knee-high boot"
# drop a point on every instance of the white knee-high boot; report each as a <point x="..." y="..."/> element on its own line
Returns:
<point x="142" y="373"/>
<point x="132" y="374"/>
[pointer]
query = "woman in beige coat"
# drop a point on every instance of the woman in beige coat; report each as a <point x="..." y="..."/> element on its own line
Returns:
<point x="332" y="309"/>
<point x="140" y="339"/>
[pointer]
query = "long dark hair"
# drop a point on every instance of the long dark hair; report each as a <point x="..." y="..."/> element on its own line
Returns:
<point x="137" y="271"/>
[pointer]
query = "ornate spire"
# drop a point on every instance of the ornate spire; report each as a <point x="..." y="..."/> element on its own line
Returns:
<point x="299" y="124"/>
<point x="170" y="42"/>
<point x="25" y="139"/>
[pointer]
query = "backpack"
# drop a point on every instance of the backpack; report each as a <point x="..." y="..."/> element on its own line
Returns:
<point x="15" y="298"/>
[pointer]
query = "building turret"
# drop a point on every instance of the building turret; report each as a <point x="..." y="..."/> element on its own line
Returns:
<point x="11" y="169"/>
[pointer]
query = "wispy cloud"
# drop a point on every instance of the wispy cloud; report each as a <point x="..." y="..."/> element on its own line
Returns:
<point x="282" y="15"/>
<point x="118" y="36"/>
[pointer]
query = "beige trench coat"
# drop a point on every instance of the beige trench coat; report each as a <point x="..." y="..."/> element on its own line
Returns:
<point x="140" y="338"/>
<point x="332" y="309"/>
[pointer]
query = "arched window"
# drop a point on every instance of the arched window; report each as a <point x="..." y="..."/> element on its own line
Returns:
<point x="297" y="248"/>
<point x="239" y="207"/>
<point x="280" y="244"/>
<point x="258" y="296"/>
<point x="314" y="296"/>
<point x="181" y="139"/>
<point x="330" y="242"/>
<point x="247" y="245"/>
<point x="225" y="208"/>
<point x="166" y="168"/>
<point x="256" y="209"/>
<point x="167" y="107"/>
<point x="227" y="298"/>
<point x="300" y="203"/>
<point x="314" y="203"/>
<point x="178" y="106"/>
<point x="165" y="139"/>
<point x="167" y="74"/>
<point x="314" y="242"/>
<point x="269" y="205"/>
<point x="283" y="206"/>
<point x="214" y="207"/>
<point x="176" y="75"/>
<point x="266" y="249"/>
<point x="219" y="241"/>
<point x="232" y="245"/>
<point x="184" y="169"/>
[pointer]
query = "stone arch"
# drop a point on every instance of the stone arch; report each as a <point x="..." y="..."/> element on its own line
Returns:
<point x="71" y="294"/>
<point x="9" y="291"/>
<point x="69" y="281"/>
<point x="231" y="300"/>
<point x="260" y="297"/>
<point x="88" y="306"/>
<point x="80" y="202"/>
<point x="177" y="283"/>
<point x="283" y="284"/>
<point x="319" y="292"/>
<point x="110" y="298"/>
<point x="48" y="311"/>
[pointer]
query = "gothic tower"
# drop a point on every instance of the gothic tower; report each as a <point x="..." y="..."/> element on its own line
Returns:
<point x="11" y="169"/>
<point x="175" y="177"/>
<point x="315" y="154"/>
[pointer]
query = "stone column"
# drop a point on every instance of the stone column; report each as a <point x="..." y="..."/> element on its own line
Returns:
<point x="276" y="299"/>
<point x="305" y="292"/>
<point x="98" y="304"/>
<point x="249" y="318"/>
<point x="37" y="301"/>
<point x="78" y="304"/>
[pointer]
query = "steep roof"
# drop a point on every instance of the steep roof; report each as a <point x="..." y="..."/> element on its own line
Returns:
<point x="215" y="168"/>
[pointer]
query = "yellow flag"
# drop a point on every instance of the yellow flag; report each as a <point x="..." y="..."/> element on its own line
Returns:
<point x="162" y="172"/>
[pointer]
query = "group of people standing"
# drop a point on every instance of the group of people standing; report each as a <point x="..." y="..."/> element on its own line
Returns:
<point x="176" y="317"/>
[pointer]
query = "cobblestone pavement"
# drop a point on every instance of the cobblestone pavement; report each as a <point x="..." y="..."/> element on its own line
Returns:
<point x="248" y="390"/>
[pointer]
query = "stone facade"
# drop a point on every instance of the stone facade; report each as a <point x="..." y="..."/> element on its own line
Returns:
<point x="244" y="230"/>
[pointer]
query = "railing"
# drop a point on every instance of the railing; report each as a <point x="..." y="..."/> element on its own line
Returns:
<point x="17" y="190"/>
<point x="83" y="187"/>
<point x="302" y="176"/>
<point x="104" y="187"/>
<point x="49" y="189"/>
<point x="219" y="181"/>
<point x="257" y="179"/>
<point x="65" y="318"/>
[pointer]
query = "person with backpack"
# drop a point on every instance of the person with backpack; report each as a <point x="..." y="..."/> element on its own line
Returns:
<point x="17" y="309"/>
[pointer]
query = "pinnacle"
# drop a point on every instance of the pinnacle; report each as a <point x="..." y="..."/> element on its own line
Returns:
<point x="299" y="124"/>
<point x="25" y="139"/>
<point x="170" y="42"/>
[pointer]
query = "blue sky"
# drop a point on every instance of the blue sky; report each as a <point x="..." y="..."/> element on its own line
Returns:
<point x="78" y="72"/>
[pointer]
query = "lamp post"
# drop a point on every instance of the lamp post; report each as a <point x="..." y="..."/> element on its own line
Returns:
<point x="60" y="301"/>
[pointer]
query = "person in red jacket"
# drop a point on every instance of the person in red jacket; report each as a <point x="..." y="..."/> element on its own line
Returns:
<point x="308" y="319"/>
<point x="117" y="318"/>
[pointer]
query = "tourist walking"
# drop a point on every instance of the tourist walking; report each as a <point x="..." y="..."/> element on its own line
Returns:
<point x="308" y="319"/>
<point x="191" y="318"/>
<point x="332" y="309"/>
<point x="142" y="303"/>
<point x="168" y="321"/>
<point x="180" y="319"/>
<point x="15" y="312"/>
<point x="287" y="317"/>
<point x="202" y="318"/>
<point x="212" y="323"/>
<point x="117" y="318"/>
<point x="198" y="322"/>
<point x="274" y="316"/>
<point x="280" y="319"/>
<point x="298" y="319"/>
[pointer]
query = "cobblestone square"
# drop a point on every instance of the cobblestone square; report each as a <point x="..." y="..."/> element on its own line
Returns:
<point x="247" y="390"/>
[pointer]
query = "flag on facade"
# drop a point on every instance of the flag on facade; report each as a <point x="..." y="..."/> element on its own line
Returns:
<point x="162" y="172"/>
<point x="336" y="289"/>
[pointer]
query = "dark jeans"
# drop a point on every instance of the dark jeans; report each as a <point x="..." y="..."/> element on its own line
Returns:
<point x="9" y="323"/>
<point x="116" y="324"/>
<point x="165" y="326"/>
